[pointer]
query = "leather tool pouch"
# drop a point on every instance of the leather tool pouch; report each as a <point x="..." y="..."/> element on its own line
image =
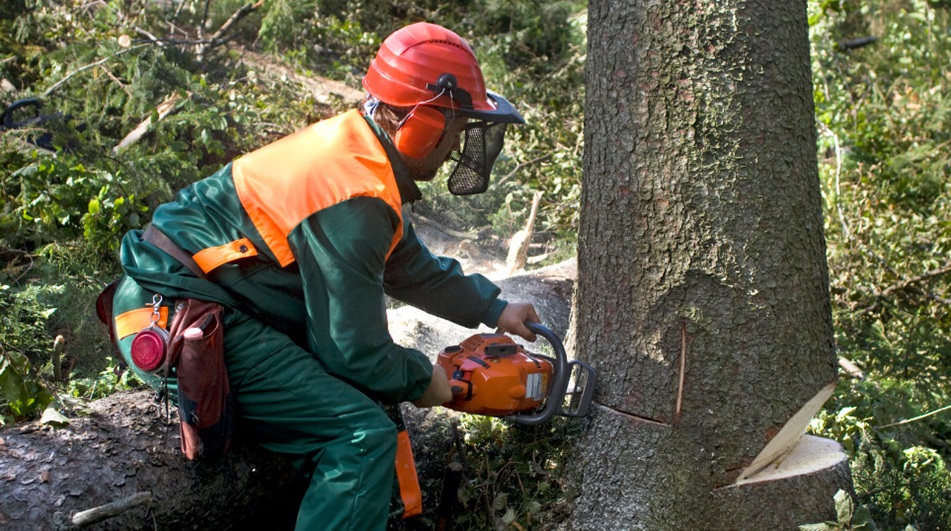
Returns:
<point x="196" y="351"/>
<point x="205" y="404"/>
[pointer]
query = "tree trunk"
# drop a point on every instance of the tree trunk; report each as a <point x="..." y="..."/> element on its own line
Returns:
<point x="702" y="287"/>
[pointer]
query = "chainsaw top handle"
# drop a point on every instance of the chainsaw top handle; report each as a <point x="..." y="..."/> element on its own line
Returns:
<point x="559" y="384"/>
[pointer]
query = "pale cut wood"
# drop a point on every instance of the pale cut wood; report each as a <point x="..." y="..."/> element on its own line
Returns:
<point x="104" y="512"/>
<point x="809" y="455"/>
<point x="163" y="109"/>
<point x="789" y="436"/>
<point x="518" y="245"/>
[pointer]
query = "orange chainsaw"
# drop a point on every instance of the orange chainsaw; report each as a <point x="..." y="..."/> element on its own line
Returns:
<point x="490" y="374"/>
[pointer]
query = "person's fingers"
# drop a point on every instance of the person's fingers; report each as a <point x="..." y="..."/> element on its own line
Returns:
<point x="513" y="317"/>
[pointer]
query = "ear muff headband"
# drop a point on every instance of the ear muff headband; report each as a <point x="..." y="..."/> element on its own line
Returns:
<point x="420" y="132"/>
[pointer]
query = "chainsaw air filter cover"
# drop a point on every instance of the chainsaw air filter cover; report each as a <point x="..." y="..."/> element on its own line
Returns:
<point x="490" y="374"/>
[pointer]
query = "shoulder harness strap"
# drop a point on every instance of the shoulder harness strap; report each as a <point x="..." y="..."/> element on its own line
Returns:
<point x="160" y="240"/>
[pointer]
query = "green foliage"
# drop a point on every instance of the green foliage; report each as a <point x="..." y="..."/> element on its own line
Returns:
<point x="23" y="344"/>
<point x="848" y="517"/>
<point x="514" y="473"/>
<point x="23" y="318"/>
<point x="883" y="113"/>
<point x="57" y="201"/>
<point x="22" y="396"/>
<point x="899" y="478"/>
<point x="339" y="37"/>
<point x="108" y="381"/>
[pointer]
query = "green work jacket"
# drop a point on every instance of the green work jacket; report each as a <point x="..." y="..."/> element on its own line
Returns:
<point x="307" y="235"/>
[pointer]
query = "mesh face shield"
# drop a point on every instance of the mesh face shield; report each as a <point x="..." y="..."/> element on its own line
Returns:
<point x="481" y="147"/>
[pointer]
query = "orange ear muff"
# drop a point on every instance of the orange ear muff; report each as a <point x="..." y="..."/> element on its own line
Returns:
<point x="420" y="132"/>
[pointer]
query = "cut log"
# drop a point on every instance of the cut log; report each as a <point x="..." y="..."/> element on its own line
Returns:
<point x="121" y="449"/>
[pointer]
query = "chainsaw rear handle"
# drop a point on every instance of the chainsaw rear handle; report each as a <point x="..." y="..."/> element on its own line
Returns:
<point x="6" y="119"/>
<point x="559" y="385"/>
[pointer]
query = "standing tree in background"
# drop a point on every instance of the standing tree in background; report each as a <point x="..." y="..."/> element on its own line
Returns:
<point x="703" y="288"/>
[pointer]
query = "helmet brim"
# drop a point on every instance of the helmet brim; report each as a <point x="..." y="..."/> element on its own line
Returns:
<point x="503" y="111"/>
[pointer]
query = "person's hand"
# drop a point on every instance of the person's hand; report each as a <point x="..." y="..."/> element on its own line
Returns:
<point x="513" y="317"/>
<point x="438" y="392"/>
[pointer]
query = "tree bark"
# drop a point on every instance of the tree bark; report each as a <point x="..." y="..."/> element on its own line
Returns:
<point x="702" y="288"/>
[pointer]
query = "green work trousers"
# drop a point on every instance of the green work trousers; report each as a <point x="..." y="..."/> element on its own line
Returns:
<point x="288" y="403"/>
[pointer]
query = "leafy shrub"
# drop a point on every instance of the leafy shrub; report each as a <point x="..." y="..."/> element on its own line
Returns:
<point x="23" y="395"/>
<point x="110" y="380"/>
<point x="514" y="473"/>
<point x="883" y="113"/>
<point x="24" y="344"/>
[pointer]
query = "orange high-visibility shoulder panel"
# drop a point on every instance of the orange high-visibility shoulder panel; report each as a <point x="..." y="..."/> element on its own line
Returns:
<point x="283" y="183"/>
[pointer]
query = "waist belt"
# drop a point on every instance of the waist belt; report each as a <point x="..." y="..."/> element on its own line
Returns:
<point x="160" y="240"/>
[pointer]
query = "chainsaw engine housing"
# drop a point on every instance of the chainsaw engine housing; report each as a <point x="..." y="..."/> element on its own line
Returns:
<point x="490" y="374"/>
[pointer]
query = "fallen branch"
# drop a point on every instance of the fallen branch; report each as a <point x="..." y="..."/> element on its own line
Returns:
<point x="537" y="259"/>
<point x="164" y="109"/>
<point x="60" y="83"/>
<point x="150" y="36"/>
<point x="909" y="284"/>
<point x="914" y="419"/>
<point x="857" y="43"/>
<point x="453" y="233"/>
<point x="104" y="512"/>
<point x="521" y="165"/>
<point x="905" y="283"/>
<point x="851" y="369"/>
<point x="217" y="36"/>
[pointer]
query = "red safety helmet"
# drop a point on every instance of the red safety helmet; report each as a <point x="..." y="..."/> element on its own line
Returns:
<point x="424" y="66"/>
<point x="428" y="64"/>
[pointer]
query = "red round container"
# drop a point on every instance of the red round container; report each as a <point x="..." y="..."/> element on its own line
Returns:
<point x="148" y="349"/>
